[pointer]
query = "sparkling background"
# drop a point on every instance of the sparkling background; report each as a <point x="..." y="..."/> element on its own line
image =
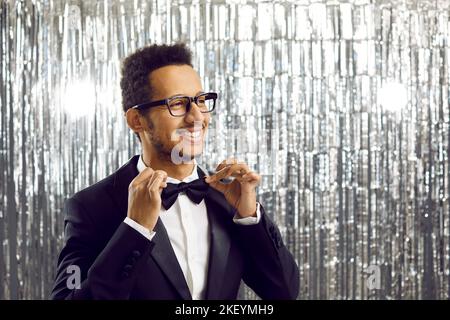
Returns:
<point x="353" y="185"/>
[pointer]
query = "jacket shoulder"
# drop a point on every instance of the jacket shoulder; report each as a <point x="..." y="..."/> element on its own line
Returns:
<point x="108" y="194"/>
<point x="96" y="191"/>
<point x="115" y="183"/>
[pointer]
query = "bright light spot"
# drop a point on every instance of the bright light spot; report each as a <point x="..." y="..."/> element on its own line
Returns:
<point x="79" y="99"/>
<point x="392" y="96"/>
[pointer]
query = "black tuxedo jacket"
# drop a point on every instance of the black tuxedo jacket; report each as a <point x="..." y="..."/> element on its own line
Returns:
<point x="117" y="262"/>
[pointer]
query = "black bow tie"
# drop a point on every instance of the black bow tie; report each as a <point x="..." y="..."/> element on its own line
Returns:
<point x="195" y="190"/>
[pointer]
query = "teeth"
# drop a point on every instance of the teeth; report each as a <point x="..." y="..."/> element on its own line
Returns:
<point x="194" y="135"/>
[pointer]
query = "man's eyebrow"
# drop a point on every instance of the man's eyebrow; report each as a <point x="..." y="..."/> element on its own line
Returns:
<point x="176" y="95"/>
<point x="184" y="95"/>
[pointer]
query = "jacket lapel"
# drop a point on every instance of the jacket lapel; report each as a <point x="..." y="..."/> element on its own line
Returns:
<point x="162" y="252"/>
<point x="218" y="253"/>
<point x="165" y="257"/>
<point x="218" y="214"/>
<point x="122" y="179"/>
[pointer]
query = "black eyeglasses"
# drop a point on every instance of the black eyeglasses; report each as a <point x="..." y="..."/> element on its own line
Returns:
<point x="180" y="105"/>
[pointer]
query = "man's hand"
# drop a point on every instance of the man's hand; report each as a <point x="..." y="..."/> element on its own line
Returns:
<point x="241" y="192"/>
<point x="144" y="197"/>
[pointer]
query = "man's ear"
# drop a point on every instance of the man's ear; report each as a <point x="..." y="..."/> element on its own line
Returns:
<point x="135" y="120"/>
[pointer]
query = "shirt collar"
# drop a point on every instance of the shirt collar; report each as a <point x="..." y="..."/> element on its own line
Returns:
<point x="194" y="175"/>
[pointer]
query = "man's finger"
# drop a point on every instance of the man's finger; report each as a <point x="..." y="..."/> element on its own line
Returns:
<point x="157" y="182"/>
<point x="156" y="173"/>
<point x="251" y="177"/>
<point x="142" y="177"/>
<point x="235" y="170"/>
<point x="226" y="163"/>
<point x="218" y="175"/>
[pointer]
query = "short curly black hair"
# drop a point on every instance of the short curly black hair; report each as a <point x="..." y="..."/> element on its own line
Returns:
<point x="137" y="67"/>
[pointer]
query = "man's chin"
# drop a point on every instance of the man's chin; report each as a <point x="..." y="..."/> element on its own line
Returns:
<point x="187" y="153"/>
<point x="193" y="151"/>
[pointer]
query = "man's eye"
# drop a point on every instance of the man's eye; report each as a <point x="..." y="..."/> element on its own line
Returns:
<point x="177" y="104"/>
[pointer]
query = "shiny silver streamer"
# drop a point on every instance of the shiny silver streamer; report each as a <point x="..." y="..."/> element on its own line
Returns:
<point x="360" y="192"/>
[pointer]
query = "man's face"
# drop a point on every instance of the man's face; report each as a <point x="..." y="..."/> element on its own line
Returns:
<point x="166" y="132"/>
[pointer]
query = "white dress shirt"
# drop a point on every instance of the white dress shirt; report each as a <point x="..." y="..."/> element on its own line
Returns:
<point x="188" y="229"/>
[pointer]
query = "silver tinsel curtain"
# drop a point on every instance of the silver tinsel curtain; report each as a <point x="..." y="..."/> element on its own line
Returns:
<point x="342" y="106"/>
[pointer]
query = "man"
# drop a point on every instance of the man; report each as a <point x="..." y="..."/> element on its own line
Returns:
<point x="160" y="227"/>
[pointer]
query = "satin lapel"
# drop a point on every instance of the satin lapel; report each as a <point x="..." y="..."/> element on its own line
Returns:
<point x="165" y="257"/>
<point x="122" y="180"/>
<point x="220" y="242"/>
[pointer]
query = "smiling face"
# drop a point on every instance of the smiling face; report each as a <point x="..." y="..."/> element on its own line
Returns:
<point x="165" y="132"/>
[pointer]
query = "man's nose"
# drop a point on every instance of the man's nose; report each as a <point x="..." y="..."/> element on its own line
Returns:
<point x="194" y="114"/>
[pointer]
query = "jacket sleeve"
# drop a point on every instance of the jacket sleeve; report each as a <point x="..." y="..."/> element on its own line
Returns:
<point x="104" y="273"/>
<point x="270" y="269"/>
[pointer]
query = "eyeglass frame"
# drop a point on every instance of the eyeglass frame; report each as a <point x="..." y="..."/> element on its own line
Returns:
<point x="165" y="102"/>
